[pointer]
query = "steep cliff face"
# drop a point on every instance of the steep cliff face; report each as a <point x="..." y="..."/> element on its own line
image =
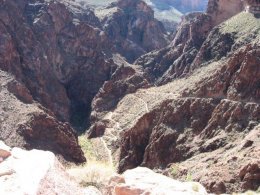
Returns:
<point x="175" y="60"/>
<point x="61" y="54"/>
<point x="23" y="55"/>
<point x="198" y="117"/>
<point x="78" y="55"/>
<point x="198" y="121"/>
<point x="25" y="123"/>
<point x="187" y="106"/>
<point x="132" y="25"/>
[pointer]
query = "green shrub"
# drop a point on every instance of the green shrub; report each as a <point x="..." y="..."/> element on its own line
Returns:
<point x="189" y="177"/>
<point x="174" y="170"/>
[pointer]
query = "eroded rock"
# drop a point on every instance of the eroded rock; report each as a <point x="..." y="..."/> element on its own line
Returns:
<point x="208" y="117"/>
<point x="29" y="125"/>
<point x="144" y="181"/>
<point x="36" y="172"/>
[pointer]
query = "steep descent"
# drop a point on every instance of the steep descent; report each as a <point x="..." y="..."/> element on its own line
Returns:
<point x="206" y="120"/>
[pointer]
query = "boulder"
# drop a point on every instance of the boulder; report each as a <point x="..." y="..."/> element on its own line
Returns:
<point x="36" y="172"/>
<point x="144" y="181"/>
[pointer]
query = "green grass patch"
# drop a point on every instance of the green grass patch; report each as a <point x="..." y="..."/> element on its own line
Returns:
<point x="87" y="147"/>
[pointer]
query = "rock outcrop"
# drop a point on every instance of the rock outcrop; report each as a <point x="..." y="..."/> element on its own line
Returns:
<point x="132" y="26"/>
<point x="60" y="56"/>
<point x="25" y="123"/>
<point x="187" y="106"/>
<point x="203" y="117"/>
<point x="125" y="80"/>
<point x="175" y="60"/>
<point x="24" y="56"/>
<point x="35" y="172"/>
<point x="145" y="181"/>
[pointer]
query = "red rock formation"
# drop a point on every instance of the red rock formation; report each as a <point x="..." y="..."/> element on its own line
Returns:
<point x="23" y="55"/>
<point x="198" y="122"/>
<point x="239" y="78"/>
<point x="61" y="55"/>
<point x="126" y="79"/>
<point x="204" y="116"/>
<point x="175" y="60"/>
<point x="45" y="132"/>
<point x="26" y="124"/>
<point x="205" y="124"/>
<point x="131" y="24"/>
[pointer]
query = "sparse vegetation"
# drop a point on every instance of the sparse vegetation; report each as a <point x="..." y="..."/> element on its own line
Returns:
<point x="174" y="170"/>
<point x="240" y="26"/>
<point x="87" y="148"/>
<point x="93" y="173"/>
<point x="189" y="177"/>
<point x="96" y="171"/>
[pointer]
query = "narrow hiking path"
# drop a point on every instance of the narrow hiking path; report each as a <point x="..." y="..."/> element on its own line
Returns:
<point x="144" y="102"/>
<point x="108" y="151"/>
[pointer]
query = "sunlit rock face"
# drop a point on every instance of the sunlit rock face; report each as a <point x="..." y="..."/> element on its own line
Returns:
<point x="144" y="181"/>
<point x="34" y="172"/>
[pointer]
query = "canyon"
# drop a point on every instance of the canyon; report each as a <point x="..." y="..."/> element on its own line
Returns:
<point x="182" y="100"/>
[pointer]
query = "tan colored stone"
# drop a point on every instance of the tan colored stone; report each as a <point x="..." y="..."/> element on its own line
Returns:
<point x="36" y="172"/>
<point x="144" y="181"/>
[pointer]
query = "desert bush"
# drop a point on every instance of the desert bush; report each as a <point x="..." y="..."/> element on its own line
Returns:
<point x="93" y="173"/>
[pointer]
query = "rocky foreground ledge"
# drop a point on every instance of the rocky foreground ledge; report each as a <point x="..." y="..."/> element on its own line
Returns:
<point x="35" y="172"/>
<point x="39" y="172"/>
